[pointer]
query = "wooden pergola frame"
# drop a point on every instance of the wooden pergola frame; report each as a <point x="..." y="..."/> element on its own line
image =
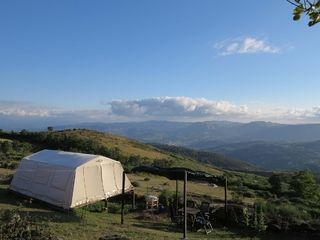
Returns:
<point x="185" y="181"/>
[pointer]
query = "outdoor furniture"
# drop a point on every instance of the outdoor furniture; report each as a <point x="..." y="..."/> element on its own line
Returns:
<point x="191" y="216"/>
<point x="205" y="210"/>
<point x="152" y="202"/>
<point x="191" y="204"/>
<point x="202" y="223"/>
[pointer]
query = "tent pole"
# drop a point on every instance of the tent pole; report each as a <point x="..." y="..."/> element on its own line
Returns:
<point x="122" y="196"/>
<point x="177" y="202"/>
<point x="133" y="200"/>
<point x="185" y="204"/>
<point x="225" y="198"/>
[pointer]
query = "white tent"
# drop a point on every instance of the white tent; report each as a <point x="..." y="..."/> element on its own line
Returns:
<point x="67" y="179"/>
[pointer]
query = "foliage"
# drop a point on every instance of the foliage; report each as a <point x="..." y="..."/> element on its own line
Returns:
<point x="16" y="226"/>
<point x="304" y="185"/>
<point x="245" y="217"/>
<point x="276" y="182"/>
<point x="166" y="196"/>
<point x="308" y="7"/>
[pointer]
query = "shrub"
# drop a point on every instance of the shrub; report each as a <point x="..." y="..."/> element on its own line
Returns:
<point x="95" y="207"/>
<point x="136" y="184"/>
<point x="165" y="197"/>
<point x="16" y="226"/>
<point x="116" y="208"/>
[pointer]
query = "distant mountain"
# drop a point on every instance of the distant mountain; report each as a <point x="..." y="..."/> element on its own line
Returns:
<point x="275" y="155"/>
<point x="267" y="145"/>
<point x="207" y="157"/>
<point x="202" y="135"/>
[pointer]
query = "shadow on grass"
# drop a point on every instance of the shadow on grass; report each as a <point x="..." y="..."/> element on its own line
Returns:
<point x="38" y="210"/>
<point x="164" y="227"/>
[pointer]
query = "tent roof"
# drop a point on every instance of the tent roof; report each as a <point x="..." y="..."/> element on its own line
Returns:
<point x="61" y="158"/>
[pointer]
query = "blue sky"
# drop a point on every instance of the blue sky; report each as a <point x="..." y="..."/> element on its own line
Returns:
<point x="213" y="59"/>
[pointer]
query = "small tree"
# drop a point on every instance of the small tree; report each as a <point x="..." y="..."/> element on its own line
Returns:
<point x="50" y="129"/>
<point x="275" y="181"/>
<point x="304" y="185"/>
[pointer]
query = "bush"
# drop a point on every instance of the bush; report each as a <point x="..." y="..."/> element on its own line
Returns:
<point x="165" y="197"/>
<point x="16" y="226"/>
<point x="116" y="208"/>
<point x="95" y="207"/>
<point x="136" y="184"/>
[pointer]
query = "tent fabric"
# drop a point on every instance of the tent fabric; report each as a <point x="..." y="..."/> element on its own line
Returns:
<point x="177" y="173"/>
<point x="67" y="179"/>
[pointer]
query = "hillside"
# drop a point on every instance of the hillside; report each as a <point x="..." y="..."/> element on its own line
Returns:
<point x="129" y="152"/>
<point x="207" y="157"/>
<point x="266" y="145"/>
<point x="244" y="190"/>
<point x="275" y="155"/>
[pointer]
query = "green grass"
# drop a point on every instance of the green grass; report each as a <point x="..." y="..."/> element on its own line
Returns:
<point x="84" y="225"/>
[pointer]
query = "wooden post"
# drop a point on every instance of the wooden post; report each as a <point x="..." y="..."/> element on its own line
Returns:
<point x="177" y="200"/>
<point x="185" y="204"/>
<point x="226" y="198"/>
<point x="122" y="196"/>
<point x="133" y="200"/>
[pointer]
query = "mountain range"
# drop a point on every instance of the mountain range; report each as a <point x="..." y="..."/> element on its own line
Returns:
<point x="267" y="145"/>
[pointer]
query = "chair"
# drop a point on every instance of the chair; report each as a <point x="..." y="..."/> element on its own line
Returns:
<point x="191" y="204"/>
<point x="205" y="210"/>
<point x="201" y="223"/>
<point x="202" y="220"/>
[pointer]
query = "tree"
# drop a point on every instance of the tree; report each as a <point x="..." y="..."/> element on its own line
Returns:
<point x="311" y="8"/>
<point x="50" y="129"/>
<point x="305" y="186"/>
<point x="275" y="181"/>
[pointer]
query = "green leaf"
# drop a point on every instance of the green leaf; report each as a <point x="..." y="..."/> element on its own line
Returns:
<point x="298" y="10"/>
<point x="311" y="23"/>
<point x="296" y="17"/>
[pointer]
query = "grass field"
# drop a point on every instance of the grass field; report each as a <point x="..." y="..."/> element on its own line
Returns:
<point x="84" y="225"/>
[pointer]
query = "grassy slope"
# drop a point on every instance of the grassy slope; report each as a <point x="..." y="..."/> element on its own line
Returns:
<point x="131" y="147"/>
<point x="93" y="225"/>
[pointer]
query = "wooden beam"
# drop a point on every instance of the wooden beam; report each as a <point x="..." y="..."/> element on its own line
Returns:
<point x="226" y="198"/>
<point x="185" y="204"/>
<point x="177" y="200"/>
<point x="122" y="196"/>
<point x="133" y="200"/>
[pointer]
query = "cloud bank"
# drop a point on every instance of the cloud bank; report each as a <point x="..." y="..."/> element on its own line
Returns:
<point x="15" y="115"/>
<point x="176" y="107"/>
<point x="246" y="45"/>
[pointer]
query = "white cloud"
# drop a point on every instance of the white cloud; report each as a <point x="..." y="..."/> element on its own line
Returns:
<point x="157" y="108"/>
<point x="175" y="108"/>
<point x="23" y="109"/>
<point x="246" y="45"/>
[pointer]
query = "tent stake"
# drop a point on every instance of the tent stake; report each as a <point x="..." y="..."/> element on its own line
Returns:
<point x="185" y="204"/>
<point x="122" y="197"/>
